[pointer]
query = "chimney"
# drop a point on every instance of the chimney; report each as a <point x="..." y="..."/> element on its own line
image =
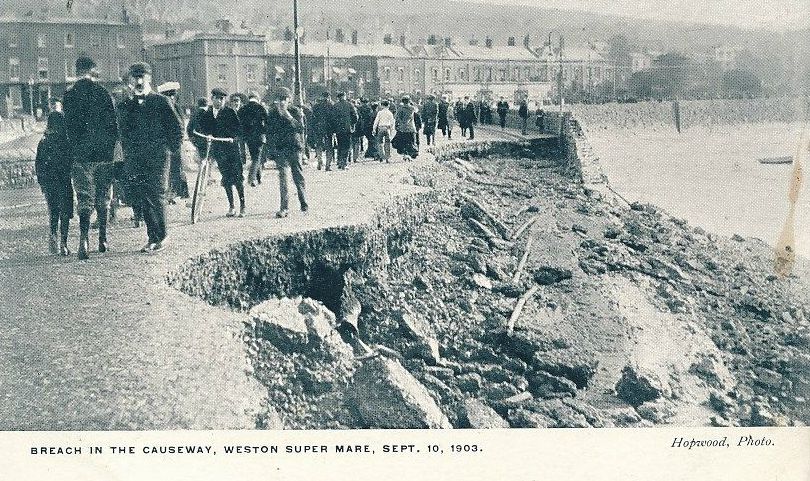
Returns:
<point x="431" y="40"/>
<point x="448" y="42"/>
<point x="169" y="33"/>
<point x="387" y="39"/>
<point x="526" y="40"/>
<point x="488" y="42"/>
<point x="474" y="42"/>
<point x="224" y="25"/>
<point x="402" y="40"/>
<point x="288" y="35"/>
<point x="339" y="35"/>
<point x="354" y="37"/>
<point x="510" y="42"/>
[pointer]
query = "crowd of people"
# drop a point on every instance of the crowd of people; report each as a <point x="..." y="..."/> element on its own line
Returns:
<point x="95" y="143"/>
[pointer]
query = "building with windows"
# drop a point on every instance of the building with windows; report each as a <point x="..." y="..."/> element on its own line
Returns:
<point x="38" y="57"/>
<point x="233" y="61"/>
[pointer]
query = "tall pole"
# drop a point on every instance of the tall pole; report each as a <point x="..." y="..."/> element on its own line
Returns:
<point x="296" y="38"/>
<point x="560" y="75"/>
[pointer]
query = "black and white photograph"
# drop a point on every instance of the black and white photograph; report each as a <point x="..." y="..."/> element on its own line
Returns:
<point x="345" y="215"/>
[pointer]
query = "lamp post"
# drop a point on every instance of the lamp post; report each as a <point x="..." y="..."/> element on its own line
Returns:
<point x="296" y="39"/>
<point x="31" y="95"/>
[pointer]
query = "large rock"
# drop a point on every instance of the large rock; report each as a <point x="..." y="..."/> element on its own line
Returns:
<point x="477" y="415"/>
<point x="638" y="385"/>
<point x="567" y="363"/>
<point x="385" y="395"/>
<point x="280" y="322"/>
<point x="546" y="275"/>
<point x="421" y="331"/>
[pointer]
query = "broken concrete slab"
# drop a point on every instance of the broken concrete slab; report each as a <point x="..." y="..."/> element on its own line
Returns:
<point x="477" y="415"/>
<point x="385" y="395"/>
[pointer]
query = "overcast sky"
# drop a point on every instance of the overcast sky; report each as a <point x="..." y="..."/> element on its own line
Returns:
<point x="768" y="14"/>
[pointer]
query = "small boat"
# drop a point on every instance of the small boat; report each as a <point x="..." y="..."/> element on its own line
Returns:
<point x="787" y="159"/>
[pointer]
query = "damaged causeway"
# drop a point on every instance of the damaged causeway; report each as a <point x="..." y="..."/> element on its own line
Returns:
<point x="434" y="278"/>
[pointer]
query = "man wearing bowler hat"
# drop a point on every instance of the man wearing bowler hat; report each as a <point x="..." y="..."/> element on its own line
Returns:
<point x="151" y="134"/>
<point x="92" y="130"/>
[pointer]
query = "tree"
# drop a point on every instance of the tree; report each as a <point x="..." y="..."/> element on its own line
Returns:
<point x="739" y="83"/>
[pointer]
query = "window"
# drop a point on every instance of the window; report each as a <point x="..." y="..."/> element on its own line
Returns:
<point x="69" y="43"/>
<point x="14" y="97"/>
<point x="120" y="40"/>
<point x="193" y="72"/>
<point x="42" y="68"/>
<point x="222" y="72"/>
<point x="489" y="75"/>
<point x="387" y="74"/>
<point x="516" y="74"/>
<point x="250" y="73"/>
<point x="462" y="74"/>
<point x="401" y="74"/>
<point x="447" y="74"/>
<point x="13" y="69"/>
<point x="70" y="69"/>
<point x="42" y="40"/>
<point x="416" y="74"/>
<point x="436" y="74"/>
<point x="477" y="71"/>
<point x="220" y="47"/>
<point x="12" y="41"/>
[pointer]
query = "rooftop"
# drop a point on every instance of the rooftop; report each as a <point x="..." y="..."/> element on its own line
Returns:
<point x="62" y="21"/>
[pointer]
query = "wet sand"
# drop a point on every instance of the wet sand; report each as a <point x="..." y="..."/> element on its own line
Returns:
<point x="711" y="176"/>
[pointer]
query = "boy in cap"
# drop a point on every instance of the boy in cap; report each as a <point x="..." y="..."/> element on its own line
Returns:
<point x="222" y="122"/>
<point x="53" y="175"/>
<point x="92" y="130"/>
<point x="178" y="184"/>
<point x="285" y="127"/>
<point x="151" y="134"/>
<point x="253" y="117"/>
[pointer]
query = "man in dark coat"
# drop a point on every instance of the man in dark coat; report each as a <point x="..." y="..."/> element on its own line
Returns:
<point x="253" y="117"/>
<point x="502" y="108"/>
<point x="222" y="122"/>
<point x="461" y="117"/>
<point x="151" y="134"/>
<point x="523" y="113"/>
<point x="285" y="128"/>
<point x="344" y="118"/>
<point x="441" y="121"/>
<point x="366" y="114"/>
<point x="194" y="125"/>
<point x="53" y="174"/>
<point x="469" y="116"/>
<point x="321" y="130"/>
<point x="178" y="184"/>
<point x="92" y="130"/>
<point x="430" y="114"/>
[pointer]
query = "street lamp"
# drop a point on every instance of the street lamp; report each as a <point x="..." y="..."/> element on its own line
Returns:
<point x="31" y="95"/>
<point x="297" y="84"/>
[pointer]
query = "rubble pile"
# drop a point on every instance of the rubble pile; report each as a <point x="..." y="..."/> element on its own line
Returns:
<point x="522" y="298"/>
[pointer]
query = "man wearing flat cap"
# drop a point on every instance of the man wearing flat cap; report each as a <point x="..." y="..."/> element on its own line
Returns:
<point x="92" y="130"/>
<point x="285" y="131"/>
<point x="151" y="134"/>
<point x="222" y="122"/>
<point x="178" y="184"/>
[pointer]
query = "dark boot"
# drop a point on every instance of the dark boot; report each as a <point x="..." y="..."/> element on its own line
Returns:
<point x="63" y="228"/>
<point x="102" y="231"/>
<point x="53" y="239"/>
<point x="84" y="236"/>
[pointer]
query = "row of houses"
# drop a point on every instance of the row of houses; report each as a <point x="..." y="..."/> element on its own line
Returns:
<point x="38" y="54"/>
<point x="38" y="57"/>
<point x="247" y="62"/>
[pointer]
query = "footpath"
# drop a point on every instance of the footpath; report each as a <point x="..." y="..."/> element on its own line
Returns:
<point x="107" y="344"/>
